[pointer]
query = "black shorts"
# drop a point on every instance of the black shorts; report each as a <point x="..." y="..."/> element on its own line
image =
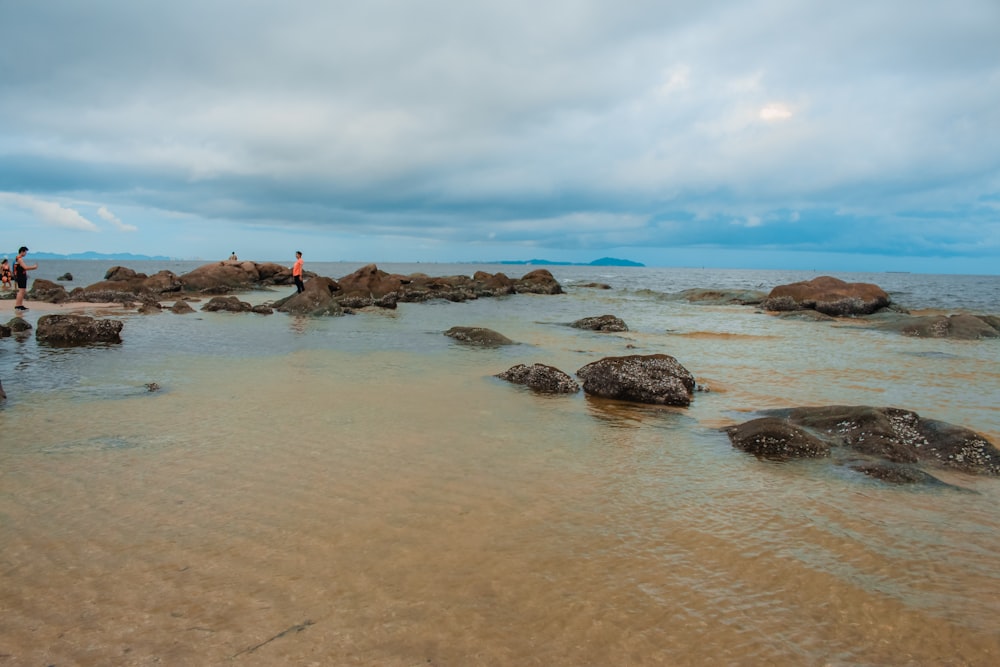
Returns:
<point x="21" y="281"/>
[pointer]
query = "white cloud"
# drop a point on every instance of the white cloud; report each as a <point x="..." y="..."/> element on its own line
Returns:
<point x="50" y="213"/>
<point x="775" y="112"/>
<point x="113" y="219"/>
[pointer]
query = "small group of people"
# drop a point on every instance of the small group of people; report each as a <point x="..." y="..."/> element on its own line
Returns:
<point x="19" y="274"/>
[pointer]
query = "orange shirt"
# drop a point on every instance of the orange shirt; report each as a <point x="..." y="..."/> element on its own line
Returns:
<point x="297" y="269"/>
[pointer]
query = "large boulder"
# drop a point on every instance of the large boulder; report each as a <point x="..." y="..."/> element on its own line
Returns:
<point x="370" y="282"/>
<point x="478" y="336"/>
<point x="828" y="295"/>
<point x="77" y="330"/>
<point x="317" y="299"/>
<point x="539" y="281"/>
<point x="893" y="435"/>
<point x="541" y="378"/>
<point x="655" y="378"/>
<point x="601" y="323"/>
<point x="221" y="277"/>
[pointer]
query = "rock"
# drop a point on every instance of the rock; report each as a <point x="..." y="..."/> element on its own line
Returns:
<point x="221" y="277"/>
<point x="961" y="327"/>
<point x="317" y="299"/>
<point x="262" y="310"/>
<point x="895" y="473"/>
<point x="3" y="394"/>
<point x="601" y="323"/>
<point x="152" y="386"/>
<point x="656" y="378"/>
<point x="48" y="291"/>
<point x="121" y="273"/>
<point x="5" y="331"/>
<point x="66" y="277"/>
<point x="150" y="308"/>
<point x="542" y="378"/>
<point x="828" y="295"/>
<point x="478" y="336"/>
<point x="77" y="330"/>
<point x="595" y="285"/>
<point x="717" y="296"/>
<point x="776" y="439"/>
<point x="890" y="434"/>
<point x="539" y="281"/>
<point x="368" y="282"/>
<point x="227" y="303"/>
<point x="19" y="325"/>
<point x="181" y="308"/>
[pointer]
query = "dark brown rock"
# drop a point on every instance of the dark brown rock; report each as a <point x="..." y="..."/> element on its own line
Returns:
<point x="181" y="308"/>
<point x="828" y="295"/>
<point x="316" y="300"/>
<point x="607" y="323"/>
<point x="541" y="378"/>
<point x="48" y="291"/>
<point x="960" y="327"/>
<point x="478" y="336"/>
<point x="77" y="330"/>
<point x="539" y="281"/>
<point x="656" y="378"/>
<point x="226" y="303"/>
<point x="776" y="439"/>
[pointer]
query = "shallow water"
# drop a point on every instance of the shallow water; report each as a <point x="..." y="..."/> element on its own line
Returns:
<point x="361" y="490"/>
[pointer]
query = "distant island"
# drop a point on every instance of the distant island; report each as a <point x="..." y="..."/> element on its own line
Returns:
<point x="604" y="261"/>
<point x="99" y="255"/>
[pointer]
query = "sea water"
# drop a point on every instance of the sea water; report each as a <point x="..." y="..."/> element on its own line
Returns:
<point x="362" y="490"/>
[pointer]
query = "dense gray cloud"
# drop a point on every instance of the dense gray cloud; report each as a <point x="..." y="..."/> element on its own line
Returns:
<point x="861" y="127"/>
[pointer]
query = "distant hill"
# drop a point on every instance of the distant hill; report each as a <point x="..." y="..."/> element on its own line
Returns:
<point x="98" y="255"/>
<point x="604" y="261"/>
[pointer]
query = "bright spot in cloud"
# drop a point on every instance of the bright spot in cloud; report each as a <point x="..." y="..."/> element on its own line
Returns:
<point x="775" y="112"/>
<point x="113" y="219"/>
<point x="50" y="213"/>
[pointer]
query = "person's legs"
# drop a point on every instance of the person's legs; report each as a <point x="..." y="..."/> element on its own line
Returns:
<point x="299" y="286"/>
<point x="19" y="300"/>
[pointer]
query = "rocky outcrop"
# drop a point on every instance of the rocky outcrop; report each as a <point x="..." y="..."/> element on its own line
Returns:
<point x="66" y="277"/>
<point x="124" y="285"/>
<point x="316" y="300"/>
<point x="541" y="378"/>
<point x="608" y="323"/>
<point x="828" y="295"/>
<point x="893" y="435"/>
<point x="48" y="291"/>
<point x="656" y="378"/>
<point x="478" y="336"/>
<point x="181" y="308"/>
<point x="5" y="331"/>
<point x="77" y="330"/>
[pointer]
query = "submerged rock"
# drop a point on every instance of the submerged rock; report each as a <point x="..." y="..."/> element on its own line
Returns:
<point x="655" y="378"/>
<point x="883" y="435"/>
<point x="601" y="323"/>
<point x="542" y="378"/>
<point x="478" y="336"/>
<point x="77" y="330"/>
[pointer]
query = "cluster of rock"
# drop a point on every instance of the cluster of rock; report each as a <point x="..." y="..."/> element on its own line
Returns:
<point x="656" y="379"/>
<point x="886" y="443"/>
<point x="61" y="330"/>
<point x="828" y="298"/>
<point x="368" y="286"/>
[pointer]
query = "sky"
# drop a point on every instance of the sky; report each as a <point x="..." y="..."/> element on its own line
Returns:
<point x="856" y="135"/>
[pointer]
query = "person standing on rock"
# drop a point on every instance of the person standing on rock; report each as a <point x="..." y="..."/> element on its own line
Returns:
<point x="21" y="269"/>
<point x="297" y="272"/>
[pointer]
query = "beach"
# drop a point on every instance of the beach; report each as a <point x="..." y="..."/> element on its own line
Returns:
<point x="362" y="490"/>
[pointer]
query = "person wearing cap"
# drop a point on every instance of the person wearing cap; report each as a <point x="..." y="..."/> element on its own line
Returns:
<point x="21" y="269"/>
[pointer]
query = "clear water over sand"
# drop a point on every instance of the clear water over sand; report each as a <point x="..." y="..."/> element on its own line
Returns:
<point x="362" y="491"/>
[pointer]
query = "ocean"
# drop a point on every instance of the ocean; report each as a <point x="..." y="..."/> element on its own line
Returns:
<point x="361" y="490"/>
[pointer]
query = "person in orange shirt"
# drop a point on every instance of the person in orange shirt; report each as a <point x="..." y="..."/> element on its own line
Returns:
<point x="297" y="272"/>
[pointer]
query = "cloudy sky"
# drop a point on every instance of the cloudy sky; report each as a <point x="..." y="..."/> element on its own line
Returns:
<point x="854" y="135"/>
